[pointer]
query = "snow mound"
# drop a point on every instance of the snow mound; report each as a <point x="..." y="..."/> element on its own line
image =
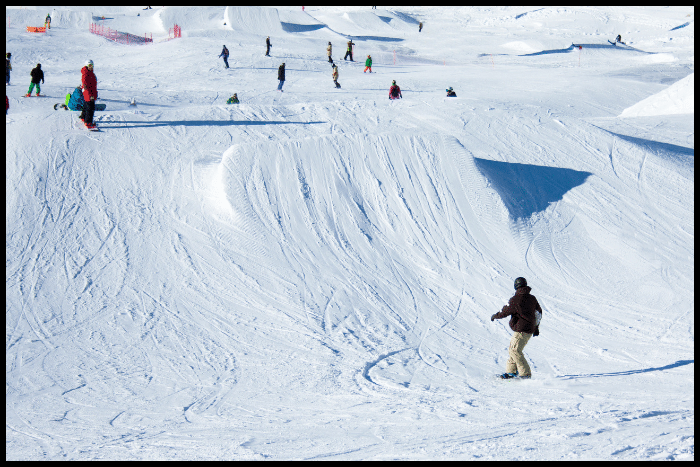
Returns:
<point x="254" y="20"/>
<point x="522" y="47"/>
<point x="679" y="98"/>
<point x="192" y="18"/>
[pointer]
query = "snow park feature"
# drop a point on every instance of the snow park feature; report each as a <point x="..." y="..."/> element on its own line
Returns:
<point x="311" y="274"/>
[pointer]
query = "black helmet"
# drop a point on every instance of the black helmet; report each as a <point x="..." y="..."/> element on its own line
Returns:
<point x="520" y="282"/>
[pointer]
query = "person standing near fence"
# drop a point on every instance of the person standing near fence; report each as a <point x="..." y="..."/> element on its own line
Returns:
<point x="224" y="53"/>
<point x="281" y="77"/>
<point x="47" y="21"/>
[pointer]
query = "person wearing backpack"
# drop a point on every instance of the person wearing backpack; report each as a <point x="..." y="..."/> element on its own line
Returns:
<point x="395" y="91"/>
<point x="224" y="53"/>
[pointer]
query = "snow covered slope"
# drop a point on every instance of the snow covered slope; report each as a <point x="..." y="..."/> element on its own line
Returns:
<point x="310" y="274"/>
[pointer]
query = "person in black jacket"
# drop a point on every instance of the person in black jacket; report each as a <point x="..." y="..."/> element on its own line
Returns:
<point x="281" y="77"/>
<point x="268" y="45"/>
<point x="37" y="75"/>
<point x="224" y="53"/>
<point x="525" y="314"/>
<point x="8" y="68"/>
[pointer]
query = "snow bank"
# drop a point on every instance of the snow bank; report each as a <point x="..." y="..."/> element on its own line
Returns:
<point x="253" y="19"/>
<point x="679" y="98"/>
<point x="192" y="18"/>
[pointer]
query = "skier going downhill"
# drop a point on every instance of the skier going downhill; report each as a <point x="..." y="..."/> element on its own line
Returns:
<point x="37" y="75"/>
<point x="525" y="314"/>
<point x="395" y="91"/>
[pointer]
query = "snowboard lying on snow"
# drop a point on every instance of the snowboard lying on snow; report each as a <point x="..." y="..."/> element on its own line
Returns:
<point x="98" y="107"/>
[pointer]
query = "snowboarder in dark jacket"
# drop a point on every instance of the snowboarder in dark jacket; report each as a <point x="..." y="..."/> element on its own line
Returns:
<point x="268" y="45"/>
<point x="224" y="53"/>
<point x="525" y="314"/>
<point x="37" y="75"/>
<point x="8" y="68"/>
<point x="281" y="77"/>
<point x="395" y="91"/>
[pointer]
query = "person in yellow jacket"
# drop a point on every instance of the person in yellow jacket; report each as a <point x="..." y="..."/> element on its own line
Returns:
<point x="335" y="76"/>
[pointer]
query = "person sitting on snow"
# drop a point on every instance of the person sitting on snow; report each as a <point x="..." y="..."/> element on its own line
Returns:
<point x="233" y="99"/>
<point x="451" y="92"/>
<point x="75" y="101"/>
<point x="395" y="91"/>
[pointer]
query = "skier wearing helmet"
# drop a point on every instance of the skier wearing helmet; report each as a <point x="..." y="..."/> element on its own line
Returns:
<point x="525" y="314"/>
<point x="395" y="91"/>
<point x="89" y="83"/>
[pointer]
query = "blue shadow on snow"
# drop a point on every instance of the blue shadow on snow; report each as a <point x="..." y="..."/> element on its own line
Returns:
<point x="679" y="363"/>
<point x="665" y="150"/>
<point x="573" y="47"/>
<point x="527" y="189"/>
<point x="131" y="124"/>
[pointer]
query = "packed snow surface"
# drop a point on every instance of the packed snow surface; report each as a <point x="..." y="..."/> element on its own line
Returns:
<point x="310" y="274"/>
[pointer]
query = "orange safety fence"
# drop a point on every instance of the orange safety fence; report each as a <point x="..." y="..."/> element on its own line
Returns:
<point x="36" y="29"/>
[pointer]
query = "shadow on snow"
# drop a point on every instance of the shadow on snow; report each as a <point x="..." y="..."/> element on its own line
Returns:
<point x="679" y="363"/>
<point x="527" y="189"/>
<point x="134" y="124"/>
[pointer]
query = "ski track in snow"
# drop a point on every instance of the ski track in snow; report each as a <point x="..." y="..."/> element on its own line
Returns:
<point x="310" y="274"/>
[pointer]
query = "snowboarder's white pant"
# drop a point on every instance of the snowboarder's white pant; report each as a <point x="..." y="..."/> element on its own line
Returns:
<point x="516" y="359"/>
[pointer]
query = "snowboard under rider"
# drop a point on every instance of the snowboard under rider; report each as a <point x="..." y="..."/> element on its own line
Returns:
<point x="525" y="314"/>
